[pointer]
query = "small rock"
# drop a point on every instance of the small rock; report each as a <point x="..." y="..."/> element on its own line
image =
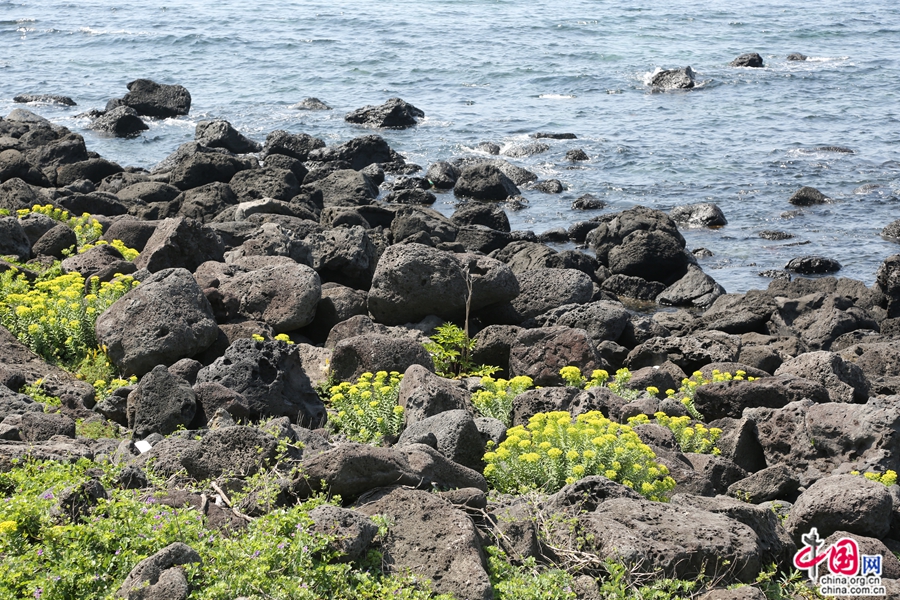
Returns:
<point x="813" y="265"/>
<point x="807" y="196"/>
<point x="310" y="104"/>
<point x="751" y="59"/>
<point x="576" y="154"/>
<point x="393" y="114"/>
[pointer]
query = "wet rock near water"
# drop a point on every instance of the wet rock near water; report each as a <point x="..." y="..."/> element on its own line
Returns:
<point x="674" y="79"/>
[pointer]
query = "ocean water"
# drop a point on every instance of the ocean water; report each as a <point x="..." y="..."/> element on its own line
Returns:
<point x="499" y="70"/>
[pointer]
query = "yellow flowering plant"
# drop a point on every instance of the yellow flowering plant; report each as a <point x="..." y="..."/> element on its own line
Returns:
<point x="495" y="400"/>
<point x="55" y="317"/>
<point x="554" y="450"/>
<point x="888" y="478"/>
<point x="691" y="437"/>
<point x="367" y="411"/>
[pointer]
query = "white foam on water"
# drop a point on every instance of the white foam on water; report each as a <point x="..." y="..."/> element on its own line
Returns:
<point x="557" y="96"/>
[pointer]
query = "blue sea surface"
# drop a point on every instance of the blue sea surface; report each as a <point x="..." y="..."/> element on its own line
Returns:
<point x="498" y="70"/>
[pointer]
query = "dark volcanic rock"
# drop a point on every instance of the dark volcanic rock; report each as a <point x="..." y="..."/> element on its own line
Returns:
<point x="156" y="100"/>
<point x="310" y="104"/>
<point x="842" y="503"/>
<point x="297" y="145"/>
<point x="704" y="214"/>
<point x="484" y="182"/>
<point x="164" y="319"/>
<point x="442" y="175"/>
<point x="13" y="240"/>
<point x="44" y="99"/>
<point x="674" y="79"/>
<point x="122" y="121"/>
<point x="413" y="281"/>
<point x="393" y="114"/>
<point x="180" y="242"/>
<point x="751" y="59"/>
<point x="272" y="379"/>
<point x="358" y="153"/>
<point x="807" y="196"/>
<point x="373" y="352"/>
<point x="161" y="403"/>
<point x="813" y="265"/>
<point x="796" y="56"/>
<point x="221" y="134"/>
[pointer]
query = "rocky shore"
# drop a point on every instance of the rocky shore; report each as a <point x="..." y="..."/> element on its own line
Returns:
<point x="333" y="250"/>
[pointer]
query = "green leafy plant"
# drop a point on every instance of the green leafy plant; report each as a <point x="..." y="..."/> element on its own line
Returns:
<point x="96" y="429"/>
<point x="367" y="411"/>
<point x="552" y="451"/>
<point x="694" y="437"/>
<point x="451" y="350"/>
<point x="496" y="399"/>
<point x="277" y="555"/>
<point x="526" y="581"/>
<point x="37" y="393"/>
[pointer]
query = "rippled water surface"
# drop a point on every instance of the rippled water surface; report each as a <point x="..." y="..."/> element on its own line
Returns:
<point x="501" y="70"/>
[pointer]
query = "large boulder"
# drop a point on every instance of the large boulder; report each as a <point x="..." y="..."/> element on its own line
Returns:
<point x="681" y="541"/>
<point x="393" y="114"/>
<point x="842" y="503"/>
<point x="541" y="353"/>
<point x="423" y="394"/>
<point x="203" y="167"/>
<point x="816" y="440"/>
<point x="688" y="352"/>
<point x="844" y="381"/>
<point x="284" y="296"/>
<point x="344" y="187"/>
<point x="13" y="240"/>
<point x="161" y="403"/>
<point x="602" y="319"/>
<point x="358" y="153"/>
<point x="350" y="470"/>
<point x="180" y="242"/>
<point x="272" y="377"/>
<point x="345" y="255"/>
<point x="266" y="183"/>
<point x="164" y="319"/>
<point x="653" y="255"/>
<point x="221" y="134"/>
<point x="456" y="435"/>
<point x="730" y="398"/>
<point x="370" y="353"/>
<point x="433" y="539"/>
<point x="413" y="281"/>
<point x="156" y="100"/>
<point x="695" y="289"/>
<point x="296" y="145"/>
<point x="160" y="576"/>
<point x="751" y="59"/>
<point x="484" y="181"/>
<point x="122" y="121"/>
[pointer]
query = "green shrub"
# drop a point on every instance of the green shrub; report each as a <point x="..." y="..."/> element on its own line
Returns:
<point x="552" y="451"/>
<point x="451" y="350"/>
<point x="367" y="411"/>
<point x="691" y="438"/>
<point x="496" y="399"/>
<point x="526" y="581"/>
<point x="276" y="556"/>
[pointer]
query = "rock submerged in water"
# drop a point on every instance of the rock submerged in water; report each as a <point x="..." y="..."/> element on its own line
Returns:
<point x="704" y="214"/>
<point x="674" y="79"/>
<point x="751" y="59"/>
<point x="807" y="196"/>
<point x="393" y="114"/>
<point x="796" y="56"/>
<point x="311" y="104"/>
<point x="44" y="99"/>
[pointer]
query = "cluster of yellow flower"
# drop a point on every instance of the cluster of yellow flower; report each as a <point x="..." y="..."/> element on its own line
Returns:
<point x="691" y="438"/>
<point x="55" y="317"/>
<point x="888" y="478"/>
<point x="367" y="411"/>
<point x="87" y="229"/>
<point x="126" y="252"/>
<point x="553" y="450"/>
<point x="496" y="399"/>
